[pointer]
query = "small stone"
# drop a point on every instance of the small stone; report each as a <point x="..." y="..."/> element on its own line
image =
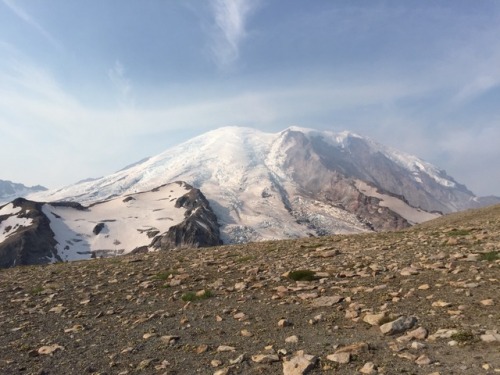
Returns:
<point x="224" y="371"/>
<point x="240" y="286"/>
<point x="356" y="348"/>
<point x="246" y="333"/>
<point x="215" y="363"/>
<point x="487" y="302"/>
<point x="368" y="368"/>
<point x="240" y="359"/>
<point x="284" y="323"/>
<point x="292" y="339"/>
<point x="240" y="316"/>
<point x="202" y="349"/>
<point x="423" y="360"/>
<point x="170" y="340"/>
<point x="148" y="335"/>
<point x="342" y="358"/>
<point x="418" y="334"/>
<point x="408" y="356"/>
<point x="144" y="364"/>
<point x="424" y="287"/>
<point x="300" y="364"/>
<point x="74" y="329"/>
<point x="225" y="348"/>
<point x="399" y="325"/>
<point x="374" y="319"/>
<point x="265" y="358"/>
<point x="441" y="304"/>
<point x="326" y="301"/>
<point x="49" y="349"/>
<point x="417" y="345"/>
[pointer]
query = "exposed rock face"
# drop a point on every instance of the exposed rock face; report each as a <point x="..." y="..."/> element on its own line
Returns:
<point x="31" y="244"/>
<point x="171" y="216"/>
<point x="199" y="228"/>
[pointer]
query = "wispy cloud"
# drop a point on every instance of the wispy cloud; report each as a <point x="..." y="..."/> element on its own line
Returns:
<point x="117" y="76"/>
<point x="21" y="13"/>
<point x="230" y="18"/>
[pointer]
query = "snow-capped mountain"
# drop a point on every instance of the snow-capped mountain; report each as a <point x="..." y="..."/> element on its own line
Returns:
<point x="170" y="216"/>
<point x="11" y="190"/>
<point x="295" y="183"/>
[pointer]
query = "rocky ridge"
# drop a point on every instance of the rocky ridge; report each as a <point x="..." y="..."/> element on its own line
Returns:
<point x="170" y="216"/>
<point x="419" y="301"/>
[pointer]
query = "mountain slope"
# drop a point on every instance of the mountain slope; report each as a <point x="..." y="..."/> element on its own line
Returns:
<point x="170" y="216"/>
<point x="420" y="301"/>
<point x="295" y="183"/>
<point x="10" y="190"/>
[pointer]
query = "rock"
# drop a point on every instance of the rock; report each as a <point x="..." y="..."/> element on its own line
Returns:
<point x="487" y="302"/>
<point x="368" y="368"/>
<point x="49" y="349"/>
<point x="240" y="359"/>
<point x="326" y="301"/>
<point x="490" y="336"/>
<point x="215" y="363"/>
<point x="246" y="333"/>
<point x="169" y="340"/>
<point x="225" y="348"/>
<point x="441" y="304"/>
<point x="265" y="358"/>
<point x="292" y="339"/>
<point x="284" y="323"/>
<point x="442" y="334"/>
<point x="299" y="364"/>
<point x="224" y="371"/>
<point x="374" y="319"/>
<point x="356" y="348"/>
<point x="399" y="325"/>
<point x="423" y="360"/>
<point x="342" y="358"/>
<point x="144" y="364"/>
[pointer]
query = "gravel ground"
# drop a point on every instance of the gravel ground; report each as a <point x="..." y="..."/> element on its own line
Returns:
<point x="240" y="310"/>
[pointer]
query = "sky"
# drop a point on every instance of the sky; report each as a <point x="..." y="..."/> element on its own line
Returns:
<point x="88" y="87"/>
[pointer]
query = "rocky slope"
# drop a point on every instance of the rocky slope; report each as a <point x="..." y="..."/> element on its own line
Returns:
<point x="419" y="301"/>
<point x="170" y="216"/>
<point x="292" y="184"/>
<point x="10" y="190"/>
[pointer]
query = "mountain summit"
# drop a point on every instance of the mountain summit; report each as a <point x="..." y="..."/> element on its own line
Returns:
<point x="295" y="183"/>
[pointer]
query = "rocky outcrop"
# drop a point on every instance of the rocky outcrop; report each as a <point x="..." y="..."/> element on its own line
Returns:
<point x="171" y="216"/>
<point x="32" y="244"/>
<point x="199" y="228"/>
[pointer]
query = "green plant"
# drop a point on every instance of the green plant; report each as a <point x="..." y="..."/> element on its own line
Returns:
<point x="462" y="336"/>
<point x="37" y="290"/>
<point x="245" y="258"/>
<point x="458" y="232"/>
<point x="193" y="296"/>
<point x="163" y="275"/>
<point x="302" y="275"/>
<point x="490" y="256"/>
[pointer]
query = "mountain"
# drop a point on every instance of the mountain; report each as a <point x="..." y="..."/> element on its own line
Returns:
<point x="10" y="190"/>
<point x="296" y="183"/>
<point x="170" y="216"/>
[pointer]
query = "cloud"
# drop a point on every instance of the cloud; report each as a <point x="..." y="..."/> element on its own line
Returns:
<point x="22" y="14"/>
<point x="117" y="76"/>
<point x="230" y="18"/>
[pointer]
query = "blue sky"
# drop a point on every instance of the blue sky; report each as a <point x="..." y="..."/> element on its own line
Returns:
<point x="87" y="87"/>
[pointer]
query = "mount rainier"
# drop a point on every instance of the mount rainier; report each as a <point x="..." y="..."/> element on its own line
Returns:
<point x="295" y="183"/>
